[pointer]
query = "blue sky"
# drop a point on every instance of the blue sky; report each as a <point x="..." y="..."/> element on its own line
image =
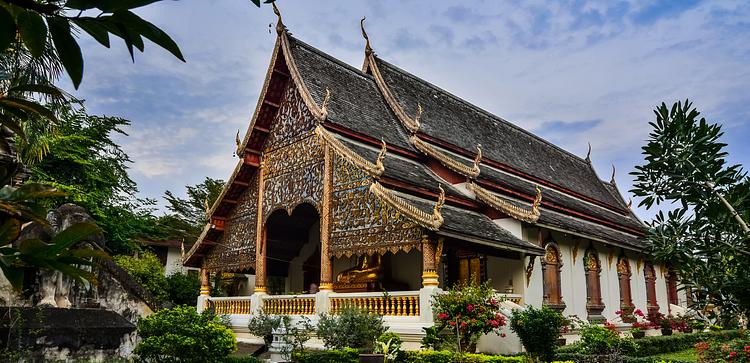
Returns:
<point x="573" y="72"/>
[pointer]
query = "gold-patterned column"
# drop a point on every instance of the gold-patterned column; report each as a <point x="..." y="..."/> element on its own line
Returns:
<point x="430" y="276"/>
<point x="326" y="266"/>
<point x="260" y="233"/>
<point x="205" y="285"/>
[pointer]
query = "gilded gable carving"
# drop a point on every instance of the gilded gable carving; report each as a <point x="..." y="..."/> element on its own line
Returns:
<point x="236" y="248"/>
<point x="361" y="223"/>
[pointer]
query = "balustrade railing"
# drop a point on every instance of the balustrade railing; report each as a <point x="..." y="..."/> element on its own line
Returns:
<point x="229" y="305"/>
<point x="514" y="298"/>
<point x="403" y="303"/>
<point x="289" y="304"/>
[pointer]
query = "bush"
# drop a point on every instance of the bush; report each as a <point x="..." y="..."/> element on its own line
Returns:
<point x="736" y="350"/>
<point x="468" y="311"/>
<point x="598" y="340"/>
<point x="182" y="335"/>
<point x="148" y="271"/>
<point x="538" y="330"/>
<point x="346" y="355"/>
<point x="444" y="356"/>
<point x="242" y="359"/>
<point x="389" y="344"/>
<point x="351" y="328"/>
<point x="656" y="345"/>
<point x="183" y="289"/>
<point x="262" y="325"/>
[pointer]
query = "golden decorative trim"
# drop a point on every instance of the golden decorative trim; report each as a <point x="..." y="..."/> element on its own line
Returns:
<point x="430" y="221"/>
<point x="399" y="305"/>
<point x="522" y="214"/>
<point x="406" y="248"/>
<point x="576" y="244"/>
<point x="319" y="112"/>
<point x="374" y="170"/>
<point x="325" y="286"/>
<point x="260" y="289"/>
<point x="368" y="48"/>
<point x="289" y="305"/>
<point x="447" y="161"/>
<point x="240" y="306"/>
<point x="439" y="251"/>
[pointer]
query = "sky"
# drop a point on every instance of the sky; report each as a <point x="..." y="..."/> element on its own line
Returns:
<point x="573" y="72"/>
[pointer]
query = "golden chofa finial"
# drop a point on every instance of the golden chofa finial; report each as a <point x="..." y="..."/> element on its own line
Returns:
<point x="207" y="207"/>
<point x="381" y="155"/>
<point x="612" y="181"/>
<point x="630" y="203"/>
<point x="537" y="201"/>
<point x="368" y="49"/>
<point x="280" y="28"/>
<point x="237" y="138"/>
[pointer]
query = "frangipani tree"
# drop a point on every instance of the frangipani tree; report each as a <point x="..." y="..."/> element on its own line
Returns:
<point x="705" y="238"/>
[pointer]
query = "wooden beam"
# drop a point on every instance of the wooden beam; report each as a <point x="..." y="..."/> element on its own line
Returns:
<point x="240" y="183"/>
<point x="267" y="102"/>
<point x="278" y="71"/>
<point x="229" y="201"/>
<point x="261" y="129"/>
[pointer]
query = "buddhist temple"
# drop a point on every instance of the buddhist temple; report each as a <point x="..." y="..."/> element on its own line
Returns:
<point x="374" y="187"/>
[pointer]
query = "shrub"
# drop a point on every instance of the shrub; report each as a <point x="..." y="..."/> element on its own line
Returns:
<point x="295" y="335"/>
<point x="148" y="271"/>
<point x="736" y="350"/>
<point x="262" y="325"/>
<point x="183" y="289"/>
<point x="599" y="340"/>
<point x="182" y="335"/>
<point x="468" y="311"/>
<point x="351" y="328"/>
<point x="444" y="356"/>
<point x="538" y="330"/>
<point x="242" y="359"/>
<point x="656" y="345"/>
<point x="346" y="355"/>
<point x="389" y="344"/>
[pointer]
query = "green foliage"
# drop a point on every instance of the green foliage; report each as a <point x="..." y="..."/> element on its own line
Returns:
<point x="38" y="21"/>
<point x="188" y="215"/>
<point x="389" y="344"/>
<point x="701" y="238"/>
<point x="538" y="330"/>
<point x="296" y="334"/>
<point x="83" y="161"/>
<point x="242" y="359"/>
<point x="262" y="325"/>
<point x="468" y="311"/>
<point x="599" y="340"/>
<point x="183" y="289"/>
<point x="444" y="356"/>
<point x="182" y="335"/>
<point x="148" y="271"/>
<point x="735" y="350"/>
<point x="346" y="355"/>
<point x="351" y="328"/>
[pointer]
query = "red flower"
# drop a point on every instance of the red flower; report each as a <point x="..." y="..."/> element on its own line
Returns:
<point x="494" y="323"/>
<point x="502" y="335"/>
<point x="618" y="312"/>
<point x="638" y="312"/>
<point x="463" y="324"/>
<point x="442" y="316"/>
<point x="452" y="323"/>
<point x="469" y="308"/>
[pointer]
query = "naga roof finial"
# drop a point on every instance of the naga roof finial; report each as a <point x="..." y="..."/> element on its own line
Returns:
<point x="588" y="155"/>
<point x="417" y="118"/>
<point x="612" y="181"/>
<point x="630" y="203"/>
<point x="324" y="105"/>
<point x="280" y="28"/>
<point x="237" y="138"/>
<point x="478" y="159"/>
<point x="440" y="201"/>
<point x="182" y="249"/>
<point x="207" y="207"/>
<point x="381" y="155"/>
<point x="537" y="201"/>
<point x="368" y="49"/>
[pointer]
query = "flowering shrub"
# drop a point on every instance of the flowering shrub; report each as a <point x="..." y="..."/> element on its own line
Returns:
<point x="715" y="350"/>
<point x="468" y="312"/>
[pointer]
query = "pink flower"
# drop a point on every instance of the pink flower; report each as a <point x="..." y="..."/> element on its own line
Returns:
<point x="463" y="324"/>
<point x="502" y="335"/>
<point x="469" y="308"/>
<point x="452" y="323"/>
<point x="618" y="312"/>
<point x="638" y="312"/>
<point x="494" y="323"/>
<point x="442" y="316"/>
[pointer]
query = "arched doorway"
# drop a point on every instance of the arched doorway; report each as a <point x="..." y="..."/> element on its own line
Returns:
<point x="293" y="250"/>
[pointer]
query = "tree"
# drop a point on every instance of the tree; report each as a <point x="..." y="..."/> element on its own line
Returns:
<point x="92" y="169"/>
<point x="188" y="215"/>
<point x="704" y="238"/>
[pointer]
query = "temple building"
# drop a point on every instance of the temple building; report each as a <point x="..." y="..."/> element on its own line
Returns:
<point x="351" y="182"/>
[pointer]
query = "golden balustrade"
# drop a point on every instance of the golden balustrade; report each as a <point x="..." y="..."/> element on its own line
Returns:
<point x="286" y="305"/>
<point x="229" y="306"/>
<point x="398" y="305"/>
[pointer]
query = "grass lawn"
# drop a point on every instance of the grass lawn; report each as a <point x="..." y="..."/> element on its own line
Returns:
<point x="689" y="355"/>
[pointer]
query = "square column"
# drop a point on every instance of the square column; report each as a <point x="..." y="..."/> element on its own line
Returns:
<point x="430" y="276"/>
<point x="205" y="291"/>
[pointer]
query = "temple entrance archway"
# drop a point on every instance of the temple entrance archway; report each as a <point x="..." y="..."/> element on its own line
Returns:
<point x="293" y="250"/>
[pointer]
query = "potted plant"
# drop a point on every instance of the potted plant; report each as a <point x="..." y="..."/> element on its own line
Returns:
<point x="638" y="330"/>
<point x="666" y="325"/>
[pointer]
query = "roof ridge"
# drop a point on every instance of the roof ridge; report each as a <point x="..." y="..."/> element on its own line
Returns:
<point x="479" y="109"/>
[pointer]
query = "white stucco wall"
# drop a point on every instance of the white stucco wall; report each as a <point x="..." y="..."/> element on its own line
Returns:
<point x="174" y="262"/>
<point x="504" y="270"/>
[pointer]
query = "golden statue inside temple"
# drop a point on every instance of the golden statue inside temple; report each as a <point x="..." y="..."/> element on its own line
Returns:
<point x="368" y="269"/>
